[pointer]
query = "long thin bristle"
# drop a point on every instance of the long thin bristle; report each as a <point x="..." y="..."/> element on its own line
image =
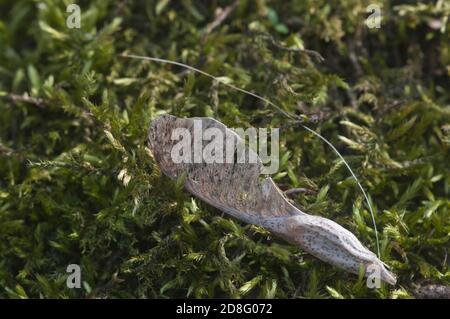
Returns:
<point x="279" y="109"/>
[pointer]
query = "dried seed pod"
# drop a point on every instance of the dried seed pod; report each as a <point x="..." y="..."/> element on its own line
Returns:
<point x="239" y="189"/>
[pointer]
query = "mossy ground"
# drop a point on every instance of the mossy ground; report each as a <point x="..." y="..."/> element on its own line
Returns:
<point x="77" y="184"/>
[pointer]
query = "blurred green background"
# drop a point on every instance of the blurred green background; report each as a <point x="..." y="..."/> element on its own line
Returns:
<point x="77" y="184"/>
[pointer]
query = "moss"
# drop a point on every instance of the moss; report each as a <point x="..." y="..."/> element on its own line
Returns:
<point x="77" y="184"/>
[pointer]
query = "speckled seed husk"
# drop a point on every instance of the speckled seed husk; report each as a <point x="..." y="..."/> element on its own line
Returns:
<point x="240" y="190"/>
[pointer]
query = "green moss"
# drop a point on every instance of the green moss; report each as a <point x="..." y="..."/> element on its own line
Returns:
<point x="77" y="184"/>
